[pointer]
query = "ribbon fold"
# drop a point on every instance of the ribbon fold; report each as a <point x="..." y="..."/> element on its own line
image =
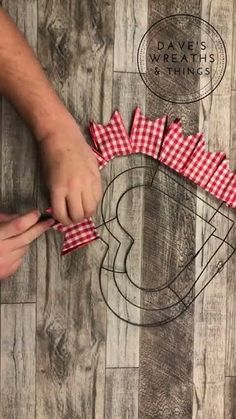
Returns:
<point x="185" y="155"/>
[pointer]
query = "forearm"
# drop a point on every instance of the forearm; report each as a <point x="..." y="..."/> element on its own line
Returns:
<point x="24" y="84"/>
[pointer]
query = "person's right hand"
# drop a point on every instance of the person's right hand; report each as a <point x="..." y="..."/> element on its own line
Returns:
<point x="16" y="233"/>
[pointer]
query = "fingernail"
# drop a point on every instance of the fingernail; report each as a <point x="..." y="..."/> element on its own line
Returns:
<point x="50" y="222"/>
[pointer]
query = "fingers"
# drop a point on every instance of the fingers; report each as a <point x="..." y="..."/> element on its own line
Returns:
<point x="75" y="208"/>
<point x="89" y="203"/>
<point x="6" y="273"/>
<point x="97" y="190"/>
<point x="24" y="239"/>
<point x="11" y="262"/>
<point x="18" y="225"/>
<point x="17" y="232"/>
<point x="81" y="205"/>
<point x="7" y="217"/>
<point x="17" y="254"/>
<point x="76" y="202"/>
<point x="60" y="211"/>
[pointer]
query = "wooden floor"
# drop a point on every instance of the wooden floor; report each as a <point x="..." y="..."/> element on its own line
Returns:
<point x="64" y="354"/>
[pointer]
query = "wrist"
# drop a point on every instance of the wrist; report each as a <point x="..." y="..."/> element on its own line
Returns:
<point x="48" y="125"/>
<point x="50" y="119"/>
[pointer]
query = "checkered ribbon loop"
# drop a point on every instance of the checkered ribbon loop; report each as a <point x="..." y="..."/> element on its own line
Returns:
<point x="76" y="235"/>
<point x="185" y="155"/>
<point x="146" y="136"/>
<point x="110" y="140"/>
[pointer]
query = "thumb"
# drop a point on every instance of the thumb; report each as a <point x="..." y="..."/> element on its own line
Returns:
<point x="7" y="217"/>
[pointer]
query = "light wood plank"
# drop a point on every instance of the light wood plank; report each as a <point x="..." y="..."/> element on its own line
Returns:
<point x="130" y="26"/>
<point x="122" y="338"/>
<point x="75" y="47"/>
<point x="234" y="48"/>
<point x="220" y="15"/>
<point x="17" y="361"/>
<point x="19" y="165"/>
<point x="210" y="315"/>
<point x="210" y="307"/>
<point x="230" y="367"/>
<point x="232" y="154"/>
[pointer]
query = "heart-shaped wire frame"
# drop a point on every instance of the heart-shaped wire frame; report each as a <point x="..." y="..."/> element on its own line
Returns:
<point x="187" y="157"/>
<point x="173" y="297"/>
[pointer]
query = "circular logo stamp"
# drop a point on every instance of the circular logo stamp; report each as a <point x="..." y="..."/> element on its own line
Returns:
<point x="181" y="58"/>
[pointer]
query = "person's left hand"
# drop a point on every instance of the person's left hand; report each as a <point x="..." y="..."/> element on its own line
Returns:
<point x="71" y="173"/>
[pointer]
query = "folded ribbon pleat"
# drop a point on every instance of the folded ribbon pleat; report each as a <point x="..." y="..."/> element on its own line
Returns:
<point x="146" y="136"/>
<point x="111" y="140"/>
<point x="185" y="155"/>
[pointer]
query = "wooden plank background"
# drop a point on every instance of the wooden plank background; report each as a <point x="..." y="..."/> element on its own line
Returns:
<point x="63" y="352"/>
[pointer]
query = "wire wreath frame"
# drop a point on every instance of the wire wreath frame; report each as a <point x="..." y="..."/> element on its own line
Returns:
<point x="172" y="311"/>
<point x="185" y="156"/>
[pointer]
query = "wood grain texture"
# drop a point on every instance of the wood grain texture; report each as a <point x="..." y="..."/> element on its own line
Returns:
<point x="130" y="25"/>
<point x="121" y="400"/>
<point x="165" y="387"/>
<point x="69" y="356"/>
<point x="234" y="49"/>
<point x="232" y="154"/>
<point x="230" y="398"/>
<point x="123" y="339"/>
<point x="17" y="361"/>
<point x="75" y="45"/>
<point x="230" y="367"/>
<point x="19" y="165"/>
<point x="210" y="308"/>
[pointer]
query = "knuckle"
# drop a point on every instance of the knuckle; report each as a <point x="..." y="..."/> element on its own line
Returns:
<point x="74" y="184"/>
<point x="77" y="219"/>
<point x="65" y="221"/>
<point x="19" y="224"/>
<point x="58" y="189"/>
<point x="62" y="218"/>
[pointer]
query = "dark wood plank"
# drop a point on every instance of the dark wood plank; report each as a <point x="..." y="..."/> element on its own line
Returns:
<point x="166" y="352"/>
<point x="230" y="398"/>
<point x="75" y="46"/>
<point x="121" y="400"/>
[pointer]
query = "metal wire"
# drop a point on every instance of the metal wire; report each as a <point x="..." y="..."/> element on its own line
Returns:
<point x="184" y="301"/>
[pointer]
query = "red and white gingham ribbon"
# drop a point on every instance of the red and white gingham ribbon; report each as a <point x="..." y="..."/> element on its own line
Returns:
<point x="185" y="155"/>
<point x="110" y="140"/>
<point x="146" y="136"/>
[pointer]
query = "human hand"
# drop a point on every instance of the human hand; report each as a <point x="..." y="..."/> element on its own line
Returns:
<point x="16" y="233"/>
<point x="71" y="173"/>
